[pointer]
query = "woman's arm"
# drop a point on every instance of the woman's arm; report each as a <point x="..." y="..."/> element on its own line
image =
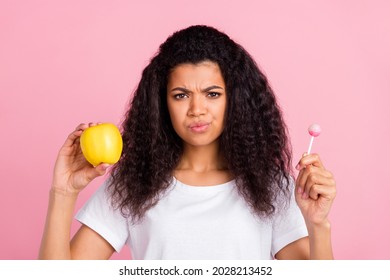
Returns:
<point x="320" y="242"/>
<point x="315" y="191"/>
<point x="56" y="235"/>
<point x="86" y="244"/>
<point x="72" y="173"/>
<point x="316" y="246"/>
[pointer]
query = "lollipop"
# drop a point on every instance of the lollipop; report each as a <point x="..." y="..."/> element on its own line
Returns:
<point x="314" y="131"/>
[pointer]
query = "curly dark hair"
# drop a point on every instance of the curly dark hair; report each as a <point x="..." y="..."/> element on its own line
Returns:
<point x="254" y="141"/>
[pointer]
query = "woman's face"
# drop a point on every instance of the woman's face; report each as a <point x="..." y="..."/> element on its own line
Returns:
<point x="196" y="100"/>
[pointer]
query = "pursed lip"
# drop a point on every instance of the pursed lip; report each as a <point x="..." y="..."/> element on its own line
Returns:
<point x="199" y="126"/>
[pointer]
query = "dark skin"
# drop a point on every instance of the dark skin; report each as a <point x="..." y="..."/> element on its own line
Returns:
<point x="196" y="102"/>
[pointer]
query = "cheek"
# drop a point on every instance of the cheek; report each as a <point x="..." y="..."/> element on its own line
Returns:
<point x="220" y="115"/>
<point x="219" y="110"/>
<point x="176" y="114"/>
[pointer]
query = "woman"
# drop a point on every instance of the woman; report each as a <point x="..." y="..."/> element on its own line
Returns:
<point x="205" y="171"/>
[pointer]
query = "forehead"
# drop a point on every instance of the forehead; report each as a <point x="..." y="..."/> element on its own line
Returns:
<point x="205" y="71"/>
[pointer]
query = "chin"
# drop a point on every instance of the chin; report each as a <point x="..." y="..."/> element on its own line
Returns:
<point x="200" y="142"/>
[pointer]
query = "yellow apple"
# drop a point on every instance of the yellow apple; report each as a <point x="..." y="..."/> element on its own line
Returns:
<point x="101" y="143"/>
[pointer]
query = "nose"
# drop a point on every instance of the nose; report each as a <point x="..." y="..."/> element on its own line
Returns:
<point x="197" y="106"/>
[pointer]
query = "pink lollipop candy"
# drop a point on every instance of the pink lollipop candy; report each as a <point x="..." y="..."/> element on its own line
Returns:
<point x="314" y="131"/>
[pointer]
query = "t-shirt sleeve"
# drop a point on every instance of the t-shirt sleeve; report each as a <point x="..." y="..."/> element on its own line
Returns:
<point x="288" y="225"/>
<point x="99" y="215"/>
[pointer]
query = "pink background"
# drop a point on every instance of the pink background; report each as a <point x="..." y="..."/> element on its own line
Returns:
<point x="67" y="62"/>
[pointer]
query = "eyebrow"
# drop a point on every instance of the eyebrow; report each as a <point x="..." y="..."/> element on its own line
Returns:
<point x="203" y="90"/>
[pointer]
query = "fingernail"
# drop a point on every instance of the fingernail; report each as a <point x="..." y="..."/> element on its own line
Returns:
<point x="305" y="154"/>
<point x="304" y="196"/>
<point x="299" y="190"/>
<point x="298" y="167"/>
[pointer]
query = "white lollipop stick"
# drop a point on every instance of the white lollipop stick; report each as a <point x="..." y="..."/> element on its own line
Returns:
<point x="310" y="145"/>
<point x="314" y="131"/>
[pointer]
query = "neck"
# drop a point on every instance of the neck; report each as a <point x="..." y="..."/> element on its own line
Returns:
<point x="201" y="158"/>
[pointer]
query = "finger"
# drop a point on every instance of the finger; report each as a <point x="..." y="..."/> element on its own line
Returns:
<point x="302" y="177"/>
<point x="306" y="173"/>
<point x="316" y="170"/>
<point x="74" y="136"/>
<point x="316" y="179"/>
<point x="299" y="166"/>
<point x="94" y="124"/>
<point x="298" y="186"/>
<point x="301" y="170"/>
<point x="312" y="175"/>
<point x="81" y="126"/>
<point x="325" y="191"/>
<point x="312" y="159"/>
<point x="97" y="171"/>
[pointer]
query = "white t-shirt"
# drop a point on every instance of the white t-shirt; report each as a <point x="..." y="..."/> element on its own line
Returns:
<point x="192" y="222"/>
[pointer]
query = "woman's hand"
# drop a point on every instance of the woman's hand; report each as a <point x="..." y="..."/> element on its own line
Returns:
<point x="315" y="190"/>
<point x="72" y="172"/>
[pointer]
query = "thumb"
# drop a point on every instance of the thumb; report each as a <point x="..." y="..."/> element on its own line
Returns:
<point x="102" y="168"/>
<point x="97" y="171"/>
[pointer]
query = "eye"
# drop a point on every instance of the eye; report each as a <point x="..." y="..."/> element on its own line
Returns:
<point x="180" y="96"/>
<point x="213" y="94"/>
